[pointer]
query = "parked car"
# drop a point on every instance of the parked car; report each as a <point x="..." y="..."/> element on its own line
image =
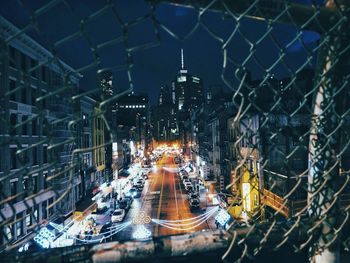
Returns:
<point x="187" y="184"/>
<point x="129" y="199"/>
<point x="134" y="192"/>
<point x="193" y="195"/>
<point x="141" y="180"/>
<point x="139" y="186"/>
<point x="189" y="189"/>
<point x="185" y="177"/>
<point x="118" y="215"/>
<point x="194" y="204"/>
<point x="123" y="204"/>
<point x="124" y="173"/>
<point x="186" y="181"/>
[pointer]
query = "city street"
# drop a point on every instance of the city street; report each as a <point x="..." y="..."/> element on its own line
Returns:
<point x="164" y="198"/>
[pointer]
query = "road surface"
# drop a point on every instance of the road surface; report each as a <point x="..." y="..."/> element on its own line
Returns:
<point x="164" y="198"/>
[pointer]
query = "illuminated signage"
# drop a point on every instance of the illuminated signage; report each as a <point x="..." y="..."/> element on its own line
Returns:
<point x="44" y="238"/>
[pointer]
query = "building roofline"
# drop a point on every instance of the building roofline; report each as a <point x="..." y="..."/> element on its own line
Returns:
<point x="15" y="37"/>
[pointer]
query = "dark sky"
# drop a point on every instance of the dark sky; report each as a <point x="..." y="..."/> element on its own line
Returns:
<point x="156" y="66"/>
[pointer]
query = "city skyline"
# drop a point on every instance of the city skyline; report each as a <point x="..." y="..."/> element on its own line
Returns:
<point x="156" y="66"/>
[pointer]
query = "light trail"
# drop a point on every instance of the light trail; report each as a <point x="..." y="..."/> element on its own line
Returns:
<point x="114" y="230"/>
<point x="182" y="229"/>
<point x="174" y="225"/>
<point x="211" y="211"/>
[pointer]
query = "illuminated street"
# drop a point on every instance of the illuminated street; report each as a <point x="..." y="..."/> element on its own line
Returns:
<point x="175" y="131"/>
<point x="164" y="198"/>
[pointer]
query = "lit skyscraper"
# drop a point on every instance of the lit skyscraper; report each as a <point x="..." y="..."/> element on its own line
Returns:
<point x="186" y="90"/>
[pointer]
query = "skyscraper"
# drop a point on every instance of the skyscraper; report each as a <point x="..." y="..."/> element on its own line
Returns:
<point x="186" y="90"/>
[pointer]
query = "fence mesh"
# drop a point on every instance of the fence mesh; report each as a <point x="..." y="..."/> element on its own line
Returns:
<point x="286" y="151"/>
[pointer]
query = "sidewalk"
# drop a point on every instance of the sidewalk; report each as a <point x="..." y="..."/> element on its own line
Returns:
<point x="204" y="204"/>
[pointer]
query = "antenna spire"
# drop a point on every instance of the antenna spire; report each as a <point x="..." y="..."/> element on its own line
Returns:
<point x="182" y="59"/>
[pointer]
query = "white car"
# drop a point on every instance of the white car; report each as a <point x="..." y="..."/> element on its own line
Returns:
<point x="118" y="215"/>
<point x="186" y="181"/>
<point x="187" y="184"/>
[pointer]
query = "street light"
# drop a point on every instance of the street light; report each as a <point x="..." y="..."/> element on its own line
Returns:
<point x="142" y="233"/>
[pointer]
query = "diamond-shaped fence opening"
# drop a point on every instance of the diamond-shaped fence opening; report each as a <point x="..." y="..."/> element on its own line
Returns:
<point x="267" y="130"/>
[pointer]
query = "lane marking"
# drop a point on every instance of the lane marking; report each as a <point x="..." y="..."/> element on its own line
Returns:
<point x="160" y="204"/>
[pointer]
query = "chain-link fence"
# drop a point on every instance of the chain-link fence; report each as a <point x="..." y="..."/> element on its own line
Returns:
<point x="281" y="144"/>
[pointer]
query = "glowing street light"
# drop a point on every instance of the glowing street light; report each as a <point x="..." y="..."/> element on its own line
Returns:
<point x="142" y="233"/>
<point x="222" y="217"/>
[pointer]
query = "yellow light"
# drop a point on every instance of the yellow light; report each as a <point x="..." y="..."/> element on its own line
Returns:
<point x="246" y="196"/>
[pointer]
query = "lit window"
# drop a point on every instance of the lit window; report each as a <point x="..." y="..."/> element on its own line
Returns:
<point x="9" y="232"/>
<point x="126" y="106"/>
<point x="19" y="228"/>
<point x="28" y="220"/>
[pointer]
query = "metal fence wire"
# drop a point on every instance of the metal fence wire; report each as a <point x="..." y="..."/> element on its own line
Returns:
<point x="286" y="149"/>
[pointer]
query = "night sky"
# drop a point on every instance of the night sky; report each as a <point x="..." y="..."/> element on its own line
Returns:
<point x="157" y="65"/>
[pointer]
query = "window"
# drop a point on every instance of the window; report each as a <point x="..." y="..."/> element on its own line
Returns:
<point x="13" y="158"/>
<point x="19" y="228"/>
<point x="24" y="126"/>
<point x="256" y="200"/>
<point x="45" y="180"/>
<point x="13" y="121"/>
<point x="51" y="200"/>
<point x="43" y="73"/>
<point x="25" y="184"/>
<point x="28" y="218"/>
<point x="9" y="233"/>
<point x="34" y="127"/>
<point x="85" y="119"/>
<point x="44" y="100"/>
<point x="45" y="127"/>
<point x="33" y="96"/>
<point x="33" y="64"/>
<point x="35" y="183"/>
<point x="44" y="207"/>
<point x="12" y="57"/>
<point x="23" y="63"/>
<point x="24" y="95"/>
<point x="44" y="154"/>
<point x="35" y="156"/>
<point x="13" y="188"/>
<point x="11" y="88"/>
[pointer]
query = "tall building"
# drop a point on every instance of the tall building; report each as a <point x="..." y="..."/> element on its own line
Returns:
<point x="164" y="117"/>
<point x="186" y="90"/>
<point x="133" y="114"/>
<point x="186" y="94"/>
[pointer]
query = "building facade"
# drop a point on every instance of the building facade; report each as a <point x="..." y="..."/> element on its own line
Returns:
<point x="36" y="115"/>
